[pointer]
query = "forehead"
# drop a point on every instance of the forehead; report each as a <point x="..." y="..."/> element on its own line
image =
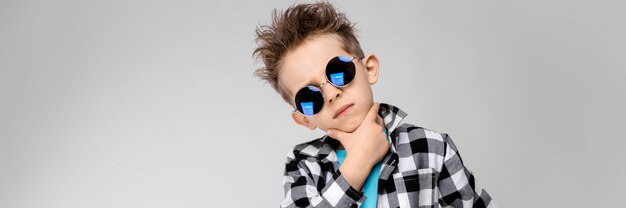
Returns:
<point x="306" y="64"/>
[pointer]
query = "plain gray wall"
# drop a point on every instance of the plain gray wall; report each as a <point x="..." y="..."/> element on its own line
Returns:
<point x="153" y="103"/>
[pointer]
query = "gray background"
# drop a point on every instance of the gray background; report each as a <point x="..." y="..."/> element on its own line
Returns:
<point x="153" y="103"/>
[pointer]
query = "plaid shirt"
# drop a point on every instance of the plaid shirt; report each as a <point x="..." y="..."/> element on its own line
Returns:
<point x="422" y="169"/>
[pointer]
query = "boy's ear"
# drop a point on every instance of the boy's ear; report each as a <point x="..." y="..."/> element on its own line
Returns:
<point x="371" y="67"/>
<point x="302" y="120"/>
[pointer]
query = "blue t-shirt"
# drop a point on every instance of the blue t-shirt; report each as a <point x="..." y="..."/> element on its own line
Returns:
<point x="370" y="187"/>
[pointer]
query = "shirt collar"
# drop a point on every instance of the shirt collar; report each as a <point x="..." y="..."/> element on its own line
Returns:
<point x="321" y="148"/>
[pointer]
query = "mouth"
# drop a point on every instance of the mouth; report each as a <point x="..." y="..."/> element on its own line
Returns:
<point x="343" y="110"/>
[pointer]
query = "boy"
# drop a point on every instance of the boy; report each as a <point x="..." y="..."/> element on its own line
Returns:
<point x="367" y="158"/>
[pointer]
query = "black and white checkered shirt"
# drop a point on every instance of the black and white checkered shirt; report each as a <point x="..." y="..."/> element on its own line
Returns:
<point x="422" y="169"/>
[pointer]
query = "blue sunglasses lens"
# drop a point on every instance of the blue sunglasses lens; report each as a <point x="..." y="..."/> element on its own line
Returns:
<point x="340" y="70"/>
<point x="309" y="100"/>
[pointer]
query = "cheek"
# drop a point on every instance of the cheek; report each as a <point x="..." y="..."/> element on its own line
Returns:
<point x="362" y="78"/>
<point x="361" y="90"/>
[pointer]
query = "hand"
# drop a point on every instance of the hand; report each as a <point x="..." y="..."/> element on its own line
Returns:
<point x="368" y="143"/>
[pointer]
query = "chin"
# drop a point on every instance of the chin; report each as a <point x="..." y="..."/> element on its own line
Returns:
<point x="353" y="123"/>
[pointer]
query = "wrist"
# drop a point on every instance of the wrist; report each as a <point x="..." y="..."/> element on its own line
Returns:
<point x="361" y="162"/>
<point x="355" y="171"/>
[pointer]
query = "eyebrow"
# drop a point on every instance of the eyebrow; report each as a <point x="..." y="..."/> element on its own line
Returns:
<point x="299" y="86"/>
<point x="308" y="83"/>
<point x="311" y="82"/>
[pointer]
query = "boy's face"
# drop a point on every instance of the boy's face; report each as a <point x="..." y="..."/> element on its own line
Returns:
<point x="306" y="65"/>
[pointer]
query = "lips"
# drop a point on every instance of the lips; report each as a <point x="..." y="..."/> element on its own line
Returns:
<point x="342" y="110"/>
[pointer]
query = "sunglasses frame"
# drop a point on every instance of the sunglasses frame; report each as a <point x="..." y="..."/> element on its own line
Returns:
<point x="326" y="81"/>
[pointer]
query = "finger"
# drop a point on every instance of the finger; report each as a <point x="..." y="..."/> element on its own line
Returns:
<point x="373" y="113"/>
<point x="380" y="120"/>
<point x="379" y="123"/>
<point x="335" y="133"/>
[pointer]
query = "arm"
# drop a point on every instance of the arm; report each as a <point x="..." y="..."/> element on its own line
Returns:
<point x="457" y="186"/>
<point x="355" y="171"/>
<point x="300" y="182"/>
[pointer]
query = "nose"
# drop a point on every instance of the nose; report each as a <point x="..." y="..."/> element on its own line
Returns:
<point x="332" y="93"/>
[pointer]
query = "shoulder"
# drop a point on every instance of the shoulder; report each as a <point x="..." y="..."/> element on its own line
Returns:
<point x="306" y="149"/>
<point x="409" y="132"/>
<point x="425" y="145"/>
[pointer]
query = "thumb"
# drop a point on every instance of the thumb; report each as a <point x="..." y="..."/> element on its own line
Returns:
<point x="335" y="133"/>
<point x="372" y="114"/>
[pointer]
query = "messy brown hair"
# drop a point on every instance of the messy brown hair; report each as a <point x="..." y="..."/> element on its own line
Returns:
<point x="292" y="27"/>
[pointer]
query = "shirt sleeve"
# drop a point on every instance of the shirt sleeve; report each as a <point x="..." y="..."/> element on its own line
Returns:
<point x="456" y="184"/>
<point x="301" y="180"/>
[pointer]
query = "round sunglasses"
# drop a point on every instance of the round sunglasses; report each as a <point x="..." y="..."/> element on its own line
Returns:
<point x="340" y="71"/>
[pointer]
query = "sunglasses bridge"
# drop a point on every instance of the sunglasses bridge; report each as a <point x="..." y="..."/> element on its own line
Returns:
<point x="323" y="83"/>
